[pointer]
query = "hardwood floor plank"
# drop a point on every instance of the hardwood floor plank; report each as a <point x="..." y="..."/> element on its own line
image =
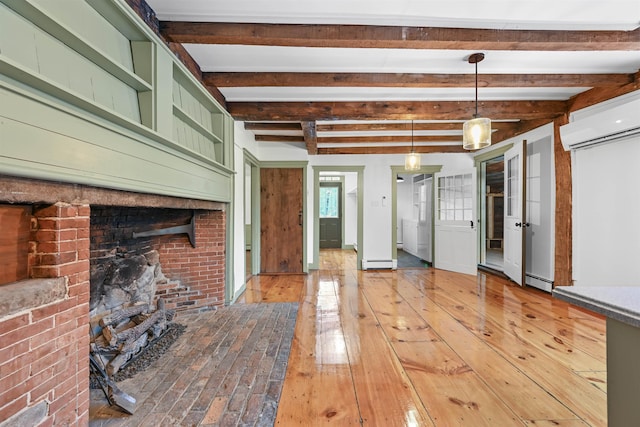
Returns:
<point x="557" y="423"/>
<point x="520" y="325"/>
<point x="452" y="393"/>
<point x="398" y="319"/>
<point x="571" y="389"/>
<point x="385" y="394"/>
<point x="523" y="395"/>
<point x="597" y="378"/>
<point x="585" y="331"/>
<point x="318" y="387"/>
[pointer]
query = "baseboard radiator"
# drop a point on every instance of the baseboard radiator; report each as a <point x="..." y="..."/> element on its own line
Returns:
<point x="375" y="264"/>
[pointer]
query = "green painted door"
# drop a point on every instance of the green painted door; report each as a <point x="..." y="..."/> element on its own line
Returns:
<point x="330" y="215"/>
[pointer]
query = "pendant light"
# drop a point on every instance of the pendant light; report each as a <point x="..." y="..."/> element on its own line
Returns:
<point x="412" y="160"/>
<point x="476" y="133"/>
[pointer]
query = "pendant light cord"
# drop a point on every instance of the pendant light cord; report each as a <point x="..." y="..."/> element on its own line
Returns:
<point x="476" y="114"/>
<point x="412" y="136"/>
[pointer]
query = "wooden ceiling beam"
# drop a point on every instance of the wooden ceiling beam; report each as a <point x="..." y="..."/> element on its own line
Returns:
<point x="412" y="80"/>
<point x="393" y="110"/>
<point x="279" y="138"/>
<point x="520" y="128"/>
<point x="310" y="137"/>
<point x="395" y="139"/>
<point x="393" y="150"/>
<point x="396" y="37"/>
<point x="598" y="94"/>
<point x="272" y="126"/>
<point x="373" y="127"/>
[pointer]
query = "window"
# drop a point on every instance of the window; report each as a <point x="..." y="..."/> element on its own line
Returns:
<point x="329" y="202"/>
<point x="455" y="198"/>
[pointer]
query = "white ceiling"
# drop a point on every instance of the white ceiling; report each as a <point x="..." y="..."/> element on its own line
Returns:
<point x="620" y="15"/>
<point x="496" y="14"/>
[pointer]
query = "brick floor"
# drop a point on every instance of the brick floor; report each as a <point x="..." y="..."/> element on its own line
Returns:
<point x="226" y="369"/>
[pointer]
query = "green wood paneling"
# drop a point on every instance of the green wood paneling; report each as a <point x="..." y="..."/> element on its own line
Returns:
<point x="88" y="94"/>
<point x="163" y="92"/>
<point x="90" y="26"/>
<point x="51" y="59"/>
<point x="67" y="148"/>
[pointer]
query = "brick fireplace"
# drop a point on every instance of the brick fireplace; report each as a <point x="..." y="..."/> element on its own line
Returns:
<point x="63" y="230"/>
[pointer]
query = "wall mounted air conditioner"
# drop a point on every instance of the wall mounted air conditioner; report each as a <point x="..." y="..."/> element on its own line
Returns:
<point x="613" y="119"/>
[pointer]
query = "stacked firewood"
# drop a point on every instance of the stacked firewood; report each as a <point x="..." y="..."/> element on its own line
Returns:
<point x="124" y="333"/>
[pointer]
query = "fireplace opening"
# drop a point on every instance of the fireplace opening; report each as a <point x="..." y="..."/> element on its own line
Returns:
<point x="132" y="300"/>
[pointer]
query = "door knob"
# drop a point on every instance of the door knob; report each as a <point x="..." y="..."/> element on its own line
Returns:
<point x="518" y="224"/>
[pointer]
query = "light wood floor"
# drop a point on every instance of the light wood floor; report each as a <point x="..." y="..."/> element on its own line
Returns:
<point x="428" y="347"/>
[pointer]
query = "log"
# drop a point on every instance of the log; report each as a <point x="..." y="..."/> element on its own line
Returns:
<point x="109" y="335"/>
<point x="118" y="316"/>
<point x="134" y="333"/>
<point x="127" y="351"/>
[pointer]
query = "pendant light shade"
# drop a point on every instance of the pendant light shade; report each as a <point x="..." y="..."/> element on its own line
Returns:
<point x="412" y="160"/>
<point x="476" y="133"/>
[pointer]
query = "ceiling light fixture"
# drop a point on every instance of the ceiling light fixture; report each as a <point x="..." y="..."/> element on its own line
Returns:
<point x="476" y="133"/>
<point x="412" y="160"/>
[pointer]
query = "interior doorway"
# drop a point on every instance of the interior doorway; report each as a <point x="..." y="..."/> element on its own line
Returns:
<point x="351" y="181"/>
<point x="492" y="213"/>
<point x="414" y="220"/>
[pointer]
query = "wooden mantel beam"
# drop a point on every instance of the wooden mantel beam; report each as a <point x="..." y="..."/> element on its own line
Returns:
<point x="412" y="80"/>
<point x="398" y="37"/>
<point x="393" y="110"/>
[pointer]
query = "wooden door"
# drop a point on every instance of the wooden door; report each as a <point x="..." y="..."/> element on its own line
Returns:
<point x="281" y="220"/>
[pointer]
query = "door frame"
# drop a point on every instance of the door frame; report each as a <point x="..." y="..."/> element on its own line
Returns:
<point x="481" y="196"/>
<point x="316" y="210"/>
<point x="255" y="211"/>
<point x="395" y="170"/>
<point x="289" y="165"/>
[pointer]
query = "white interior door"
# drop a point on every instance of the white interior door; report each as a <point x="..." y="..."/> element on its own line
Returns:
<point x="455" y="225"/>
<point x="514" y="212"/>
